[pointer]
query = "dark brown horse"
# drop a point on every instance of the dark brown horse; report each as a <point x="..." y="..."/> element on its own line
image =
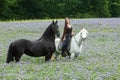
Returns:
<point x="45" y="46"/>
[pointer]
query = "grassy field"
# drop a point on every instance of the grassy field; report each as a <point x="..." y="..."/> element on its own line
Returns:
<point x="100" y="59"/>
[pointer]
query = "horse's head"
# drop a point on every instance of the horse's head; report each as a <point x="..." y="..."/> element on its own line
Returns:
<point x="84" y="33"/>
<point x="55" y="28"/>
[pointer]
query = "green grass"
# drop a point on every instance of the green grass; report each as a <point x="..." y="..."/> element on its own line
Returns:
<point x="100" y="59"/>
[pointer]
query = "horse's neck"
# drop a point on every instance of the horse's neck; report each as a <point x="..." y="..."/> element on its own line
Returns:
<point x="80" y="48"/>
<point x="78" y="39"/>
<point x="48" y="34"/>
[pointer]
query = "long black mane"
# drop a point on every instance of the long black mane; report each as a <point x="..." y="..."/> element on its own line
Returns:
<point x="49" y="33"/>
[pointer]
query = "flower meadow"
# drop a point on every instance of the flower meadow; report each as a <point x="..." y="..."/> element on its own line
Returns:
<point x="99" y="60"/>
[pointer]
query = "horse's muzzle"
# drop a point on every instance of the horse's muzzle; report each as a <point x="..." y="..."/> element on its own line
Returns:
<point x="83" y="39"/>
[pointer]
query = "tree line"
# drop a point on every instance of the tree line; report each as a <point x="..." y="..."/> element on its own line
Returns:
<point x="46" y="9"/>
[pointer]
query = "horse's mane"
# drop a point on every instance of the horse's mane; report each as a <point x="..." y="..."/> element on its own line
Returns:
<point x="77" y="35"/>
<point x="48" y="32"/>
<point x="83" y="29"/>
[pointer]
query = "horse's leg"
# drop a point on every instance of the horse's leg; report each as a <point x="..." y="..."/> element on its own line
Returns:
<point x="57" y="55"/>
<point x="77" y="54"/>
<point x="18" y="56"/>
<point x="63" y="53"/>
<point x="72" y="55"/>
<point x="68" y="53"/>
<point x="53" y="57"/>
<point x="48" y="57"/>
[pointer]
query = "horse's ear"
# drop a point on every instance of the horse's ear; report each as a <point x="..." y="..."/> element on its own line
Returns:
<point x="56" y="22"/>
<point x="53" y="21"/>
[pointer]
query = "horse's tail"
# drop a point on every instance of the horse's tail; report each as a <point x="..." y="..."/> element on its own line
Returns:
<point x="10" y="53"/>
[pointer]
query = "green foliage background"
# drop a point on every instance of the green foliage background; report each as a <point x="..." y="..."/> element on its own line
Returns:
<point x="46" y="9"/>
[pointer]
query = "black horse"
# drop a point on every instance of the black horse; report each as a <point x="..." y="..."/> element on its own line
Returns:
<point x="45" y="46"/>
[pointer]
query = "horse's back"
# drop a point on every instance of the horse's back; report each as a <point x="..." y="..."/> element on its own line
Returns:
<point x="22" y="43"/>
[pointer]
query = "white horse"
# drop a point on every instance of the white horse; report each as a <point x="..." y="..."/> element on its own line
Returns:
<point x="76" y="44"/>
